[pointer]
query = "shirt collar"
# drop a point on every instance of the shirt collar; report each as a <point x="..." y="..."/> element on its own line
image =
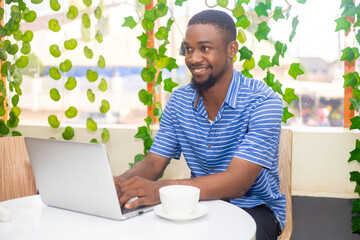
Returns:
<point x="231" y="95"/>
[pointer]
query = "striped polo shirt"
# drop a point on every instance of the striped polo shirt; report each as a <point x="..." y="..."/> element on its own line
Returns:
<point x="247" y="126"/>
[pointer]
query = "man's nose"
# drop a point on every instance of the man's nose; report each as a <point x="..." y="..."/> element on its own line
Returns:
<point x="195" y="57"/>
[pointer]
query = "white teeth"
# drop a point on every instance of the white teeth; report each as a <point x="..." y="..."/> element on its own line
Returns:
<point x="199" y="69"/>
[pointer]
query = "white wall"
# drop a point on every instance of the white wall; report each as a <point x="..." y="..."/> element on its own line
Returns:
<point x="320" y="155"/>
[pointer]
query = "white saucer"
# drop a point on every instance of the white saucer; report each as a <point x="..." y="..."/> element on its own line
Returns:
<point x="200" y="211"/>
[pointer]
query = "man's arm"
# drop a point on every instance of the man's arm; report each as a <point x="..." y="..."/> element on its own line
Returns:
<point x="232" y="183"/>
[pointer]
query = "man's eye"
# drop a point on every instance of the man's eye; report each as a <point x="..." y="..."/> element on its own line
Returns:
<point x="205" y="49"/>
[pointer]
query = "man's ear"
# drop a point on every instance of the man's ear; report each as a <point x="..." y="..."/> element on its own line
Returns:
<point x="232" y="49"/>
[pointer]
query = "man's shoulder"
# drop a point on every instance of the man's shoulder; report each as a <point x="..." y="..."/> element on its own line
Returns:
<point x="185" y="91"/>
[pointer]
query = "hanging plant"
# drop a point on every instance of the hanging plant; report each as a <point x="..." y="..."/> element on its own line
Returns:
<point x="62" y="71"/>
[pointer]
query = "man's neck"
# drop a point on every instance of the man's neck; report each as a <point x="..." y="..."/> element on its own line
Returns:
<point x="214" y="97"/>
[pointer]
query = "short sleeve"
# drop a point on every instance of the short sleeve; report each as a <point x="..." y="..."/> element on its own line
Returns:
<point x="261" y="143"/>
<point x="166" y="143"/>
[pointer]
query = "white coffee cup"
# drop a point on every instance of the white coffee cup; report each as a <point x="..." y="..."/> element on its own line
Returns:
<point x="179" y="199"/>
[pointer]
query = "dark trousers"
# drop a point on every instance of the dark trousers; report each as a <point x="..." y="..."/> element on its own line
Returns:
<point x="267" y="226"/>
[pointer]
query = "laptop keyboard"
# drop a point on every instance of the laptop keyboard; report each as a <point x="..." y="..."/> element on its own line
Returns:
<point x="127" y="210"/>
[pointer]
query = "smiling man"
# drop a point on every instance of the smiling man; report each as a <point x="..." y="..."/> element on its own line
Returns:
<point x="226" y="125"/>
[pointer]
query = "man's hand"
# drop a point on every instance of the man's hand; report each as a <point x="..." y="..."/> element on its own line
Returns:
<point x="147" y="191"/>
<point x="118" y="180"/>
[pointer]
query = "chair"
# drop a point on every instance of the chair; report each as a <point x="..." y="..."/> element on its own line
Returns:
<point x="285" y="162"/>
<point x="16" y="175"/>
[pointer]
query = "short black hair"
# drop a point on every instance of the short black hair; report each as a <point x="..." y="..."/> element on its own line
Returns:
<point x="219" y="19"/>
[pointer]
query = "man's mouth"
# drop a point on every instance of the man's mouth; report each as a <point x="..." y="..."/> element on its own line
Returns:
<point x="197" y="70"/>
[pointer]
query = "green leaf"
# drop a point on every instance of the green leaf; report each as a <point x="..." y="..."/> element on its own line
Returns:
<point x="94" y="140"/>
<point x="278" y="14"/>
<point x="351" y="80"/>
<point x="99" y="37"/>
<point x="350" y="9"/>
<point x="147" y="24"/>
<point x="13" y="120"/>
<point x="342" y="24"/>
<point x="72" y="13"/>
<point x="91" y="125"/>
<point x="277" y="87"/>
<point x="280" y="48"/>
<point x="286" y="115"/>
<point x="12" y="49"/>
<point x="14" y="100"/>
<point x="88" y="52"/>
<point x="16" y="110"/>
<point x="162" y="33"/>
<point x="17" y="35"/>
<point x="36" y="1"/>
<point x="68" y="133"/>
<point x="145" y="97"/>
<point x="15" y="134"/>
<point x="129" y="22"/>
<point x="70" y="44"/>
<point x="246" y="73"/>
<point x="53" y="121"/>
<point x="179" y="2"/>
<point x="22" y="62"/>
<point x="54" y="73"/>
<point x="27" y="36"/>
<point x="355" y="104"/>
<point x="355" y="154"/>
<point x="262" y="31"/>
<point x="103" y="85"/>
<point x="26" y="48"/>
<point x="71" y="112"/>
<point x="55" y="50"/>
<point x="241" y="37"/>
<point x="295" y="23"/>
<point x="54" y="4"/>
<point x="249" y="64"/>
<point x="4" y="68"/>
<point x="355" y="224"/>
<point x="264" y="62"/>
<point x="144" y="2"/>
<point x="3" y="54"/>
<point x="301" y="1"/>
<point x="90" y="95"/>
<point x="91" y="76"/>
<point x="161" y="10"/>
<point x="169" y="85"/>
<point x="142" y="133"/>
<point x="157" y="110"/>
<point x="295" y="70"/>
<point x="70" y="83"/>
<point x="30" y="16"/>
<point x="349" y="54"/>
<point x="243" y="22"/>
<point x="101" y="62"/>
<point x="65" y="66"/>
<point x="148" y="120"/>
<point x="105" y="135"/>
<point x="356" y="206"/>
<point x="54" y="94"/>
<point x="4" y="130"/>
<point x="105" y="106"/>
<point x="138" y="158"/>
<point x="289" y="95"/>
<point x="275" y="60"/>
<point x="222" y="3"/>
<point x="54" y="25"/>
<point x="355" y="123"/>
<point x="85" y="19"/>
<point x="143" y="39"/>
<point x="87" y="2"/>
<point x="98" y="13"/>
<point x="238" y="11"/>
<point x="260" y="10"/>
<point x="148" y="74"/>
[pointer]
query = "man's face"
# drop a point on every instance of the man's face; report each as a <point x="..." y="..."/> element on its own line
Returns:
<point x="205" y="55"/>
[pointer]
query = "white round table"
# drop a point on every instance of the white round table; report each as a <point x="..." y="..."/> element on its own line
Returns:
<point x="31" y="220"/>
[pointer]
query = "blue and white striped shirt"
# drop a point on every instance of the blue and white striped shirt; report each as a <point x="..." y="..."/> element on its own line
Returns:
<point x="247" y="126"/>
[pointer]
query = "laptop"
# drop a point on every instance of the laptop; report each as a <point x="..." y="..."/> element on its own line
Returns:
<point x="76" y="176"/>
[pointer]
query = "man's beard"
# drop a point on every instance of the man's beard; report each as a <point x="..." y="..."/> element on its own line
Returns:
<point x="210" y="82"/>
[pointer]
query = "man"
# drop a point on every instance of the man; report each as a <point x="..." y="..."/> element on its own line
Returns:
<point x="226" y="125"/>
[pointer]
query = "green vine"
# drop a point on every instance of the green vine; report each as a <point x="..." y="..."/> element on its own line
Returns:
<point x="258" y="14"/>
<point x="15" y="48"/>
<point x="350" y="21"/>
<point x="61" y="72"/>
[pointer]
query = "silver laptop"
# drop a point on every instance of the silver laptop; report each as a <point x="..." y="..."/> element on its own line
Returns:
<point x="76" y="176"/>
